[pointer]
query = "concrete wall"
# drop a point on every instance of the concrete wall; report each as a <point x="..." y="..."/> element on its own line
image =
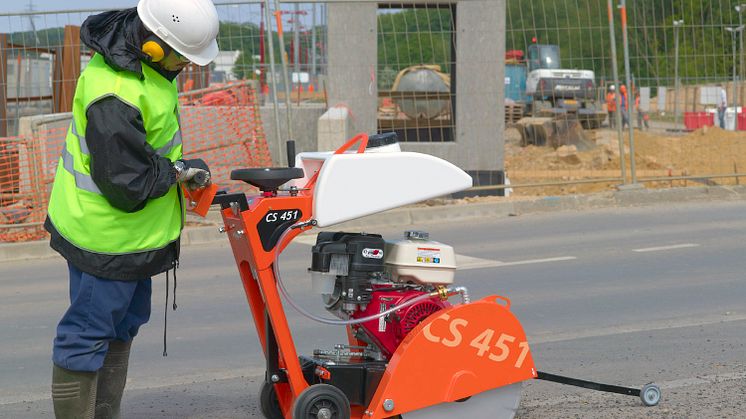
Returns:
<point x="305" y="125"/>
<point x="334" y="128"/>
<point x="480" y="46"/>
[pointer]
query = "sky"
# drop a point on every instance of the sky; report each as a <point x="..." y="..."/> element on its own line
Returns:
<point x="249" y="12"/>
<point x="8" y="6"/>
<point x="47" y="5"/>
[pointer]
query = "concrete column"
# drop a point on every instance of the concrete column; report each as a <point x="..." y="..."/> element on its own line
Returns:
<point x="480" y="83"/>
<point x="353" y="55"/>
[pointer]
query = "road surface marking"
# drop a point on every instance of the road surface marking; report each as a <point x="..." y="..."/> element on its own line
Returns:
<point x="468" y="262"/>
<point x="660" y="248"/>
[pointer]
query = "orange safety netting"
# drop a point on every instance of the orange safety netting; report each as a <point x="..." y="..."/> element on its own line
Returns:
<point x="223" y="126"/>
<point x="220" y="125"/>
<point x="17" y="197"/>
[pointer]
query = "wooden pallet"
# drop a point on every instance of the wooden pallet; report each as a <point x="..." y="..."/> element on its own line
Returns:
<point x="513" y="112"/>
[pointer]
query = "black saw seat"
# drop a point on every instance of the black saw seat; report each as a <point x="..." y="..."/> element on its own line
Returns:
<point x="267" y="178"/>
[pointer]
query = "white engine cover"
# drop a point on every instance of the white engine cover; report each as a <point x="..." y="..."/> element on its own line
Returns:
<point x="420" y="261"/>
<point x="351" y="186"/>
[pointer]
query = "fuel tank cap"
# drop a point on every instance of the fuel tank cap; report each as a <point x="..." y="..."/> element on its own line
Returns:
<point x="416" y="235"/>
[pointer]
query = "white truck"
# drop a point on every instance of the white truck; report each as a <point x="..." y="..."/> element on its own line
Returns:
<point x="555" y="91"/>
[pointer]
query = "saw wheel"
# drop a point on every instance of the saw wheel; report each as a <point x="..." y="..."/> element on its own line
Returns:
<point x="500" y="403"/>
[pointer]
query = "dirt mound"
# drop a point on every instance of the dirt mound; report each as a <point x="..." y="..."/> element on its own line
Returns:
<point x="706" y="152"/>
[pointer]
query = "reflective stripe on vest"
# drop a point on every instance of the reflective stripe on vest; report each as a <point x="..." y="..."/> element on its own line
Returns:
<point x="81" y="139"/>
<point x="82" y="181"/>
<point x="176" y="140"/>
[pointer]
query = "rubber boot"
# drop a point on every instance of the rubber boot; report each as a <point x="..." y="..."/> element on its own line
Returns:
<point x="73" y="393"/>
<point x="111" y="380"/>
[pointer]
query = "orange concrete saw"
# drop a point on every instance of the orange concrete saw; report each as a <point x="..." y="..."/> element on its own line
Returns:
<point x="417" y="347"/>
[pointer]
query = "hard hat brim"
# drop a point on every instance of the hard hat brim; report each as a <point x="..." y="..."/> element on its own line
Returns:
<point x="204" y="57"/>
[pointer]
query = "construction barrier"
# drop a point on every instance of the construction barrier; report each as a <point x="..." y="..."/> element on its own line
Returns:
<point x="741" y="121"/>
<point x="697" y="120"/>
<point x="220" y="125"/>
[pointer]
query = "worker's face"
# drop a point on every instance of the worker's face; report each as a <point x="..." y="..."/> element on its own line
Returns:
<point x="174" y="62"/>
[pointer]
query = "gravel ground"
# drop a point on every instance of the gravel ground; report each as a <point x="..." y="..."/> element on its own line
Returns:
<point x="715" y="398"/>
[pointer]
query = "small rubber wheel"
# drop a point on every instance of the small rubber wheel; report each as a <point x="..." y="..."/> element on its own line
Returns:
<point x="268" y="402"/>
<point x="650" y="394"/>
<point x="321" y="401"/>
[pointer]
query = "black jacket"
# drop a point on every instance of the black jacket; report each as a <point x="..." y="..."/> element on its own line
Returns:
<point x="123" y="165"/>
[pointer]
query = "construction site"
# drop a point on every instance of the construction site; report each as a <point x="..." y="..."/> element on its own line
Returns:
<point x="362" y="198"/>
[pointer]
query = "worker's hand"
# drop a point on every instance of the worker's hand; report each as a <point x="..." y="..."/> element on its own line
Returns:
<point x="194" y="173"/>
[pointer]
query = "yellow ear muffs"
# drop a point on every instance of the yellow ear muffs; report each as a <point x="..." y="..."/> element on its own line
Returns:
<point x="155" y="48"/>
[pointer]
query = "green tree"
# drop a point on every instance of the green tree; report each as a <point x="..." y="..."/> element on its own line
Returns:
<point x="245" y="66"/>
<point x="581" y="30"/>
<point x="415" y="36"/>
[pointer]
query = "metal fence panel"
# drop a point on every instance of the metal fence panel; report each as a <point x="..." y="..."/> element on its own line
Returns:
<point x="683" y="54"/>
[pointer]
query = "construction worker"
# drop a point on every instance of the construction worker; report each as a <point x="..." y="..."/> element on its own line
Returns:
<point x="116" y="211"/>
<point x="611" y="105"/>
<point x="722" y="105"/>
<point x="642" y="116"/>
<point x="625" y="105"/>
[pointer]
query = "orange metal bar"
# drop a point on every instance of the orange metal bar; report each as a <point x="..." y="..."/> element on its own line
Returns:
<point x="259" y="282"/>
<point x="278" y="19"/>
<point x="199" y="201"/>
<point x="362" y="138"/>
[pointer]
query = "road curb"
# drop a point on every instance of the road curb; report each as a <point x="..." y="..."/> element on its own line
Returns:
<point x="449" y="212"/>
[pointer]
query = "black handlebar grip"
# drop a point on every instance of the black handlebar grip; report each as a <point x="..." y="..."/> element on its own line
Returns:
<point x="290" y="146"/>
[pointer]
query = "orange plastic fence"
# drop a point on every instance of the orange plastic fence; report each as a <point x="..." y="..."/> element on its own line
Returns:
<point x="223" y="126"/>
<point x="220" y="125"/>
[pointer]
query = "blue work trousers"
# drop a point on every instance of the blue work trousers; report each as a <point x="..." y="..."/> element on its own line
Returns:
<point x="721" y="117"/>
<point x="101" y="310"/>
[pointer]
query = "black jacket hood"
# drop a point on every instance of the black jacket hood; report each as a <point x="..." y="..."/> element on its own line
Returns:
<point x="118" y="36"/>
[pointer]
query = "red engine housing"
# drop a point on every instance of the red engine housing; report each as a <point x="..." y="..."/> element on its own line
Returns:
<point x="387" y="332"/>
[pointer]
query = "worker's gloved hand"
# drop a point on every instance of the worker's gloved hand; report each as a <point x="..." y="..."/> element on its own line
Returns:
<point x="193" y="172"/>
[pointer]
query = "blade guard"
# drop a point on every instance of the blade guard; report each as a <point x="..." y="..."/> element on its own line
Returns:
<point x="455" y="353"/>
<point x="199" y="200"/>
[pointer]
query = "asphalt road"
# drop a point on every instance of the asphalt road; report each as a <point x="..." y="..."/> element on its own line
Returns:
<point x="623" y="296"/>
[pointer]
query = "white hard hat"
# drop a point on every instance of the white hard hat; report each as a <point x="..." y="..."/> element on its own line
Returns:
<point x="612" y="87"/>
<point x="188" y="26"/>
